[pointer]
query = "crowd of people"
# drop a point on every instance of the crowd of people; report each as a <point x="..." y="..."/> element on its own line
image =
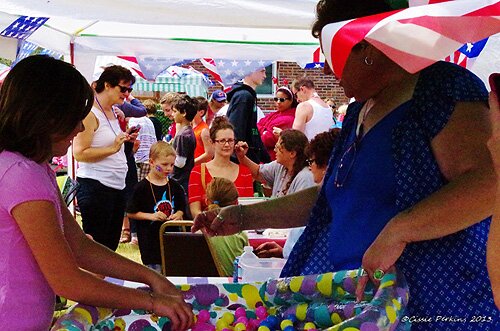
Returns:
<point x="406" y="183"/>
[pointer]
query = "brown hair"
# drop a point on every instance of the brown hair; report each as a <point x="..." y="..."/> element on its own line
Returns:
<point x="202" y="104"/>
<point x="221" y="192"/>
<point x="295" y="141"/>
<point x="321" y="146"/>
<point x="41" y="97"/>
<point x="150" y="106"/>
<point x="330" y="11"/>
<point x="113" y="75"/>
<point x="219" y="123"/>
<point x="161" y="148"/>
<point x="303" y="81"/>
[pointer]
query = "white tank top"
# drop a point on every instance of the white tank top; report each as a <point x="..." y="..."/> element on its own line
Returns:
<point x="110" y="171"/>
<point x="321" y="120"/>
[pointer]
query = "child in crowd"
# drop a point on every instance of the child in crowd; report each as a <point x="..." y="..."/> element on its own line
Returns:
<point x="43" y="102"/>
<point x="204" y="151"/>
<point x="222" y="192"/>
<point x="183" y="111"/>
<point x="156" y="199"/>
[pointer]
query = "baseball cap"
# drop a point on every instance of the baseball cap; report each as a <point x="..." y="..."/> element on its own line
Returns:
<point x="219" y="95"/>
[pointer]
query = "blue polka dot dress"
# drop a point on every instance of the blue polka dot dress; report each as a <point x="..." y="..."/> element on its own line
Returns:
<point x="448" y="280"/>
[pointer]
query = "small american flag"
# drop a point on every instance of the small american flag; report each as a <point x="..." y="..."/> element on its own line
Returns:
<point x="23" y="27"/>
<point x="232" y="71"/>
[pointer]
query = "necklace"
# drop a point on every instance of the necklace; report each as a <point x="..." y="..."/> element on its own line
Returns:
<point x="105" y="116"/>
<point x="153" y="192"/>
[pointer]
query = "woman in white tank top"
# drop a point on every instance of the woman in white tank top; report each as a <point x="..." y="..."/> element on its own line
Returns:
<point x="100" y="152"/>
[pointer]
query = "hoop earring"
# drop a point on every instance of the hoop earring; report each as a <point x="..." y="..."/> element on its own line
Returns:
<point x="368" y="61"/>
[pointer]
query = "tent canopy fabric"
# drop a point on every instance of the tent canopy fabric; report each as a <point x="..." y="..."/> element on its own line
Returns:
<point x="230" y="29"/>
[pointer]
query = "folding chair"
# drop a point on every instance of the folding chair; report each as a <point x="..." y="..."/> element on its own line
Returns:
<point x="185" y="253"/>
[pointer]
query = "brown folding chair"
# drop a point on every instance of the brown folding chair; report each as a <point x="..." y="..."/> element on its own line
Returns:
<point x="185" y="253"/>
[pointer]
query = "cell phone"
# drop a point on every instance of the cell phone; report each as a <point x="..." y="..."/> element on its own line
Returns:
<point x="134" y="129"/>
<point x="495" y="82"/>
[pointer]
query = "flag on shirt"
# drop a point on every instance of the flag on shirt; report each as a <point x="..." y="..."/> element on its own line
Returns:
<point x="415" y="37"/>
<point x="23" y="27"/>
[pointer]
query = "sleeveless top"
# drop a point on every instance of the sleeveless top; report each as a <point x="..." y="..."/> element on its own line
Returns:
<point x="321" y="120"/>
<point x="111" y="170"/>
<point x="446" y="276"/>
<point x="200" y="149"/>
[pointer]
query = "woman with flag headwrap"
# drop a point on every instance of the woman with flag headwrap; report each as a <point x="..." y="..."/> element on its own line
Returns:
<point x="410" y="182"/>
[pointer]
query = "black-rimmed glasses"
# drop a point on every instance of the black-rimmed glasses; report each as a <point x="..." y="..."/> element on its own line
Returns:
<point x="124" y="89"/>
<point x="281" y="99"/>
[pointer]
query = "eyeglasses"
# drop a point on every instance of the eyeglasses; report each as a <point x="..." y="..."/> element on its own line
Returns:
<point x="310" y="161"/>
<point x="281" y="99"/>
<point x="124" y="89"/>
<point x="225" y="141"/>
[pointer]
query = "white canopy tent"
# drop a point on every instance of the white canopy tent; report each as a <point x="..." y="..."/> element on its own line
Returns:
<point x="229" y="29"/>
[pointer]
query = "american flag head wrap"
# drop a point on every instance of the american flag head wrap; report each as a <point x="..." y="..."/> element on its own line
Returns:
<point x="415" y="37"/>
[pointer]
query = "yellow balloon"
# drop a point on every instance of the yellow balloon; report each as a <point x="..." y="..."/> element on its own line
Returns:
<point x="391" y="313"/>
<point x="251" y="295"/>
<point x="325" y="284"/>
<point x="301" y="311"/>
<point x="296" y="283"/>
<point x="84" y="313"/>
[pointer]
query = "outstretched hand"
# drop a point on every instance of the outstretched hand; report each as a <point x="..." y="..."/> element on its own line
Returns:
<point x="218" y="222"/>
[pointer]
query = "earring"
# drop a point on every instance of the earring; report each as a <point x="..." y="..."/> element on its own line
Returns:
<point x="368" y="61"/>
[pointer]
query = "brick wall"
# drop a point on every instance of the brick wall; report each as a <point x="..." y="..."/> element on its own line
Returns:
<point x="326" y="86"/>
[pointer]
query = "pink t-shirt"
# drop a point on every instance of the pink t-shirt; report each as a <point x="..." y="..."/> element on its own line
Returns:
<point x="26" y="299"/>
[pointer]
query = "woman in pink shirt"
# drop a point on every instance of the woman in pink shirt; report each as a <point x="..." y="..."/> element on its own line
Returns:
<point x="44" y="252"/>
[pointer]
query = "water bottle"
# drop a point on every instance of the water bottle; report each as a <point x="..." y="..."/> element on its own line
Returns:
<point x="247" y="255"/>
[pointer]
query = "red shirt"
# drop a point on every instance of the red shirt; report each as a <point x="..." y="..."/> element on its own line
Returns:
<point x="244" y="184"/>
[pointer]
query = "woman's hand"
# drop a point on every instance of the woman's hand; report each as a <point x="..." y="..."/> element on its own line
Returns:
<point x="218" y="222"/>
<point x="276" y="131"/>
<point x="168" y="301"/>
<point x="269" y="249"/>
<point x="241" y="149"/>
<point x="381" y="255"/>
<point x="120" y="139"/>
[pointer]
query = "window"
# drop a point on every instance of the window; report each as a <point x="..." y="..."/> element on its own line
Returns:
<point x="268" y="87"/>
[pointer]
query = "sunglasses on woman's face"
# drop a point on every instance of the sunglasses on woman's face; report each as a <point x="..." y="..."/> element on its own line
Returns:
<point x="124" y="89"/>
<point x="281" y="99"/>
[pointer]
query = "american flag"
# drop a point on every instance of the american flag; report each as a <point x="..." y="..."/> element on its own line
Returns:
<point x="211" y="66"/>
<point x="415" y="37"/>
<point x="318" y="60"/>
<point x="23" y="27"/>
<point x="28" y="48"/>
<point x="231" y="71"/>
<point x="152" y="66"/>
<point x="467" y="53"/>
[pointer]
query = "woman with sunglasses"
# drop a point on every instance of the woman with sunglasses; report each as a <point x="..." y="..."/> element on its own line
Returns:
<point x="270" y="126"/>
<point x="410" y="182"/>
<point x="222" y="137"/>
<point x="99" y="149"/>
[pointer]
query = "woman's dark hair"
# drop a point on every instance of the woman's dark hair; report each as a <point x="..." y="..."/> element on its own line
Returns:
<point x="40" y="98"/>
<point x="320" y="147"/>
<point x="219" y="123"/>
<point x="331" y="11"/>
<point x="288" y="92"/>
<point x="113" y="75"/>
<point x="221" y="192"/>
<point x="295" y="141"/>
